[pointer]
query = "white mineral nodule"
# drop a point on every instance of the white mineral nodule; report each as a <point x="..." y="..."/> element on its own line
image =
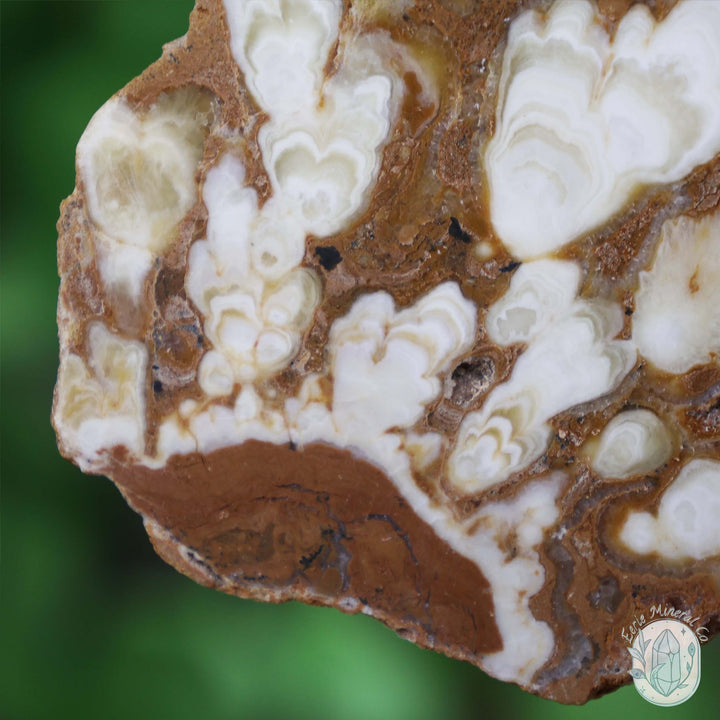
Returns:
<point x="139" y="178"/>
<point x="676" y="324"/>
<point x="319" y="323"/>
<point x="686" y="523"/>
<point x="632" y="443"/>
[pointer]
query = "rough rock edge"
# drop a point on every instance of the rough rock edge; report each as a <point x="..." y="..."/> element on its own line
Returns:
<point x="703" y="199"/>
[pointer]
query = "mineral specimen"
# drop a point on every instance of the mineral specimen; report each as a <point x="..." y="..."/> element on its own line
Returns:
<point x="412" y="309"/>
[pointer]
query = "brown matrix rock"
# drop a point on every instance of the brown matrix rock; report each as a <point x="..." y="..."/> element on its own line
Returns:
<point x="412" y="309"/>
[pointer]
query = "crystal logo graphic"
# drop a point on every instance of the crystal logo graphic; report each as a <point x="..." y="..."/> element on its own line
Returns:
<point x="666" y="662"/>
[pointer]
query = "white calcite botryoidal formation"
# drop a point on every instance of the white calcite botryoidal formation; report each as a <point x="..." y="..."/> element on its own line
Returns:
<point x="412" y="309"/>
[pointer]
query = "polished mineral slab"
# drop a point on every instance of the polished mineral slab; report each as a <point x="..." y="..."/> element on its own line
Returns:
<point x="413" y="309"/>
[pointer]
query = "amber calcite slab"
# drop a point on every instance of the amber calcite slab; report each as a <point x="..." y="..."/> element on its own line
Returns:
<point x="412" y="309"/>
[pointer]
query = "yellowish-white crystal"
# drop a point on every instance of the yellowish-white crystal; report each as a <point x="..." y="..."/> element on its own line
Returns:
<point x="676" y="324"/>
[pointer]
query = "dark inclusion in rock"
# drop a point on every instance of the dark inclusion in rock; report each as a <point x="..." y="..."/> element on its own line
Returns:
<point x="329" y="257"/>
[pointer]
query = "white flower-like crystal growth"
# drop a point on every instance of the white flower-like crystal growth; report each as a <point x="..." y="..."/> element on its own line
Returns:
<point x="571" y="358"/>
<point x="256" y="306"/>
<point x="677" y="309"/>
<point x="322" y="142"/>
<point x="385" y="363"/>
<point x="321" y="146"/>
<point x="584" y="121"/>
<point x="281" y="47"/>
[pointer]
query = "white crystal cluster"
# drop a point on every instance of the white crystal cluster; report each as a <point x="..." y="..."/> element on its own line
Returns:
<point x="322" y="140"/>
<point x="255" y="311"/>
<point x="321" y="147"/>
<point x="382" y="373"/>
<point x="139" y="179"/>
<point x="676" y="324"/>
<point x="204" y="427"/>
<point x="103" y="405"/>
<point x="583" y="120"/>
<point x="686" y="524"/>
<point x="384" y="365"/>
<point x="571" y="358"/>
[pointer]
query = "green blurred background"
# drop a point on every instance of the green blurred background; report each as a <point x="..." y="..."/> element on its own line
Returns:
<point x="92" y="623"/>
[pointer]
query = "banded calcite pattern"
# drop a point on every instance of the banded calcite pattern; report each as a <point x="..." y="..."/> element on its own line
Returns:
<point x="412" y="309"/>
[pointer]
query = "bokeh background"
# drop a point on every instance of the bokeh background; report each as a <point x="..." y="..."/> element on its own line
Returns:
<point x="92" y="623"/>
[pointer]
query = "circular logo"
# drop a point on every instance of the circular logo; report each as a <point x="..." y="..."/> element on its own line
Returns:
<point x="666" y="662"/>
